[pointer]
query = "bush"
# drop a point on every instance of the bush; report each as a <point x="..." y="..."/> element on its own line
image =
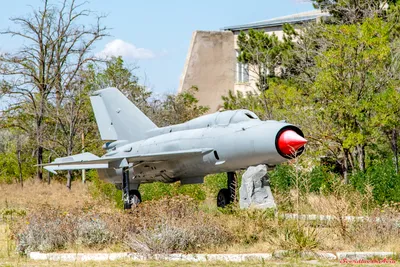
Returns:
<point x="215" y="182"/>
<point x="281" y="178"/>
<point x="49" y="230"/>
<point x="166" y="225"/>
<point x="155" y="191"/>
<point x="318" y="180"/>
<point x="296" y="238"/>
<point x="158" y="190"/>
<point x="170" y="237"/>
<point x="44" y="235"/>
<point x="175" y="225"/>
<point x="321" y="180"/>
<point x="107" y="191"/>
<point x="384" y="180"/>
<point x="91" y="232"/>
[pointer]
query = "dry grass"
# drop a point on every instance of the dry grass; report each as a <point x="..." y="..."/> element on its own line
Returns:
<point x="35" y="194"/>
<point x="380" y="232"/>
<point x="181" y="224"/>
<point x="8" y="257"/>
<point x="162" y="226"/>
<point x="176" y="225"/>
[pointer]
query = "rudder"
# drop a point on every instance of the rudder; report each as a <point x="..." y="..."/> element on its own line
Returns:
<point x="118" y="118"/>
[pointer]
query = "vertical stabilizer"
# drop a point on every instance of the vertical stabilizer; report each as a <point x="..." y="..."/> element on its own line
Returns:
<point x="118" y="118"/>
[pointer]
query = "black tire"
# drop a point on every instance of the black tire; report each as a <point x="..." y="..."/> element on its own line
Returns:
<point x="134" y="197"/>
<point x="223" y="198"/>
<point x="127" y="206"/>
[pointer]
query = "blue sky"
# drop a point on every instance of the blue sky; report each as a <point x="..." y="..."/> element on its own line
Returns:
<point x="155" y="34"/>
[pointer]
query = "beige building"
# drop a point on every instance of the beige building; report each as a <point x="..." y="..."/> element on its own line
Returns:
<point x="211" y="63"/>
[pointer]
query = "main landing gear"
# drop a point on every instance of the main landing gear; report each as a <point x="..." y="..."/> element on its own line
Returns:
<point x="228" y="195"/>
<point x="130" y="197"/>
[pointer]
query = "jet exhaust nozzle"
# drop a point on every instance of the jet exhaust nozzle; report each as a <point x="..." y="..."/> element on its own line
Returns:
<point x="290" y="143"/>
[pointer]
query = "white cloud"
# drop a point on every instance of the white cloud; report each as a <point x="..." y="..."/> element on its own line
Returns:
<point x="119" y="47"/>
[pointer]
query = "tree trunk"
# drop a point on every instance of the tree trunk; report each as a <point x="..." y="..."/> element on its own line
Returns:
<point x="19" y="162"/>
<point x="352" y="160"/>
<point x="395" y="148"/>
<point x="48" y="173"/>
<point x="39" y="161"/>
<point x="361" y="157"/>
<point x="69" y="180"/>
<point x="69" y="175"/>
<point x="345" y="166"/>
<point x="39" y="132"/>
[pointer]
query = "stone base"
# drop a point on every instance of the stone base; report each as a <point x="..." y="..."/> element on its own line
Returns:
<point x="255" y="191"/>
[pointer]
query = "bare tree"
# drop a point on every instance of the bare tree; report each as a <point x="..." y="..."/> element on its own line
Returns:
<point x="71" y="117"/>
<point x="55" y="48"/>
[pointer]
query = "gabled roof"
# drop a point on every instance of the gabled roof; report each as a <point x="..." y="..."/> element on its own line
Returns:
<point x="291" y="19"/>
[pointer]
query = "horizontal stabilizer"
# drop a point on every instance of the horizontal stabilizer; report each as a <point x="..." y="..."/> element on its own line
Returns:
<point x="55" y="168"/>
<point x="73" y="162"/>
<point x="77" y="157"/>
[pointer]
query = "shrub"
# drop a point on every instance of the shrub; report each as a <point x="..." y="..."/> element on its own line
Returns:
<point x="92" y="231"/>
<point x="195" y="191"/>
<point x="49" y="230"/>
<point x="321" y="180"/>
<point x="102" y="190"/>
<point x="175" y="225"/>
<point x="384" y="180"/>
<point x="42" y="232"/>
<point x="156" y="191"/>
<point x="282" y="178"/>
<point x="165" y="225"/>
<point x="213" y="183"/>
<point x="169" y="237"/>
<point x="290" y="236"/>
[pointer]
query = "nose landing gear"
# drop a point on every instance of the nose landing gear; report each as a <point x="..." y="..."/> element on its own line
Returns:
<point x="228" y="195"/>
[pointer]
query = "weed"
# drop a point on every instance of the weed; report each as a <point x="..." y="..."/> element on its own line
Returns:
<point x="290" y="236"/>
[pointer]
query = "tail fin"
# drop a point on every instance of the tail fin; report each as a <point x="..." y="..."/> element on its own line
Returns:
<point x="118" y="118"/>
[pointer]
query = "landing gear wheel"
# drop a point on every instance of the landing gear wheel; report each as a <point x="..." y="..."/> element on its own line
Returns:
<point x="134" y="197"/>
<point x="127" y="206"/>
<point x="224" y="198"/>
<point x="228" y="195"/>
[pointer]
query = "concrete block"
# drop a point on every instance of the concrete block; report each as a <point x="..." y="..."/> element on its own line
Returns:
<point x="364" y="255"/>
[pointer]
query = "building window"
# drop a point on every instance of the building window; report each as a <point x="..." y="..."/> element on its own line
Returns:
<point x="242" y="71"/>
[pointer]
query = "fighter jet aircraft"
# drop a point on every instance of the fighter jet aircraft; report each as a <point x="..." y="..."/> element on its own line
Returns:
<point x="137" y="151"/>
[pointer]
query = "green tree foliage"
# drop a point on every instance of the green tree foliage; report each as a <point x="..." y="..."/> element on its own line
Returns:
<point x="264" y="54"/>
<point x="384" y="180"/>
<point x="352" y="73"/>
<point x="280" y="102"/>
<point x="11" y="143"/>
<point x="179" y="108"/>
<point x="340" y="85"/>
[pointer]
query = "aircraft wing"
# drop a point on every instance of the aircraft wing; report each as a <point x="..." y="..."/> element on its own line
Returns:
<point x="90" y="161"/>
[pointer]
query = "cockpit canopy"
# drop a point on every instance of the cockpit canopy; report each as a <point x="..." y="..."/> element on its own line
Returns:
<point x="234" y="116"/>
<point x="222" y="118"/>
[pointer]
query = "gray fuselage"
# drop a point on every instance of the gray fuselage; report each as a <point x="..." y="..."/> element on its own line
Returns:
<point x="233" y="140"/>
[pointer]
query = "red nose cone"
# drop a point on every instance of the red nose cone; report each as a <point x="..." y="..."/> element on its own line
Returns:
<point x="289" y="142"/>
